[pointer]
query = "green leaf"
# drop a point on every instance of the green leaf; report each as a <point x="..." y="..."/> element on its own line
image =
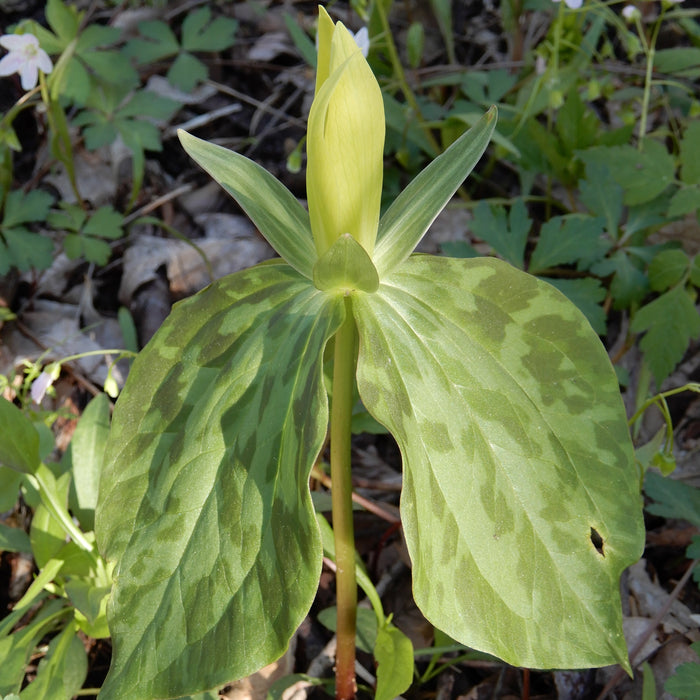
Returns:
<point x="270" y="205"/>
<point x="87" y="456"/>
<point x="685" y="682"/>
<point x="690" y="147"/>
<point x="684" y="201"/>
<point x="516" y="451"/>
<point x="14" y="539"/>
<point x="62" y="672"/>
<point x="673" y="499"/>
<point x="345" y="267"/>
<point x="201" y="34"/>
<point x="506" y="235"/>
<point x="16" y="649"/>
<point x="410" y="215"/>
<point x="643" y="175"/>
<point x="683" y="61"/>
<point x="667" y="269"/>
<point x="393" y="653"/>
<point x="63" y="19"/>
<point x="186" y="71"/>
<point x="204" y="499"/>
<point x="159" y="42"/>
<point x="19" y="446"/>
<point x="366" y="626"/>
<point x="629" y="284"/>
<point x="602" y="195"/>
<point x="23" y="208"/>
<point x="668" y="323"/>
<point x="10" y="481"/>
<point x="564" y="239"/>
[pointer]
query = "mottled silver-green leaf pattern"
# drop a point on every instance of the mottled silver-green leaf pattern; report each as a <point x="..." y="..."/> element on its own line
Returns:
<point x="517" y="458"/>
<point x="204" y="501"/>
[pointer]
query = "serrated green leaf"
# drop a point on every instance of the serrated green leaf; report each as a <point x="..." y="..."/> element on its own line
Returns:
<point x="602" y="195"/>
<point x="186" y="71"/>
<point x="515" y="448"/>
<point x="201" y="34"/>
<point x="393" y="653"/>
<point x="23" y="208"/>
<point x="668" y="324"/>
<point x="507" y="235"/>
<point x="409" y="216"/>
<point x="565" y="239"/>
<point x="345" y="267"/>
<point x="690" y="147"/>
<point x="19" y="447"/>
<point x="643" y="175"/>
<point x="105" y="223"/>
<point x="673" y="499"/>
<point x="146" y="103"/>
<point x="24" y="250"/>
<point x="668" y="269"/>
<point x="270" y="205"/>
<point x="87" y="456"/>
<point x="685" y="682"/>
<point x="629" y="284"/>
<point x="159" y="42"/>
<point x="112" y="67"/>
<point x="209" y="455"/>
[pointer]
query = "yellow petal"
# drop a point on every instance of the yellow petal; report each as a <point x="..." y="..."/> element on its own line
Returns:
<point x="345" y="143"/>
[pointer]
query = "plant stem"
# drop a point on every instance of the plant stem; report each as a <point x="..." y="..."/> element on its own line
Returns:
<point x="346" y="586"/>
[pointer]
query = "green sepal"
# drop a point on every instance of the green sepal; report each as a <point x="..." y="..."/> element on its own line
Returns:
<point x="412" y="212"/>
<point x="345" y="266"/>
<point x="204" y="497"/>
<point x="270" y="205"/>
<point x="516" y="457"/>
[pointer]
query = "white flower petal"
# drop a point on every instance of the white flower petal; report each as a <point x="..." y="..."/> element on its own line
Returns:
<point x="29" y="74"/>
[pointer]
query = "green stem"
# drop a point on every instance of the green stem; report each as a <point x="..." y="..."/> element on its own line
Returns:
<point x="346" y="586"/>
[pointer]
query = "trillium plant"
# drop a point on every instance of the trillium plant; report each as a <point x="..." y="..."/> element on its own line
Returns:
<point x="520" y="505"/>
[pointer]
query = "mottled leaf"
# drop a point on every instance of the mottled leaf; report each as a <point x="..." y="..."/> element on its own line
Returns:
<point x="204" y="499"/>
<point x="520" y="502"/>
<point x="271" y="206"/>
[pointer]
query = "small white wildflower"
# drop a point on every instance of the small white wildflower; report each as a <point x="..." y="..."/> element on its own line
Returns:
<point x="39" y="386"/>
<point x="25" y="57"/>
<point x="630" y="12"/>
<point x="572" y="4"/>
<point x="361" y="37"/>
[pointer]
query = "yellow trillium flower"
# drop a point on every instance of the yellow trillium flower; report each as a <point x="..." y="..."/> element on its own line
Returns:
<point x="345" y="142"/>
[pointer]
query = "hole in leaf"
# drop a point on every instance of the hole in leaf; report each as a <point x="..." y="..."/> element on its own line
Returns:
<point x="597" y="541"/>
